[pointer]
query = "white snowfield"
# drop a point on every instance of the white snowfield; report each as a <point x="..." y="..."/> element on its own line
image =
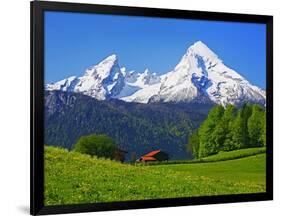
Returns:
<point x="199" y="75"/>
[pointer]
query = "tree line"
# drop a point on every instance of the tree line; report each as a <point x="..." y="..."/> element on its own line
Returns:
<point x="229" y="128"/>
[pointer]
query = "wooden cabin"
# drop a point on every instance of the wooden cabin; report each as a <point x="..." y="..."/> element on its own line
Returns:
<point x="157" y="155"/>
<point x="119" y="155"/>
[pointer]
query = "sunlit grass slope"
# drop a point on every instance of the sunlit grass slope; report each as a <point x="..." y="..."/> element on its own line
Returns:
<point x="72" y="178"/>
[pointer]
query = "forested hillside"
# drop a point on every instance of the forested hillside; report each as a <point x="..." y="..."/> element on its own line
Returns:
<point x="136" y="128"/>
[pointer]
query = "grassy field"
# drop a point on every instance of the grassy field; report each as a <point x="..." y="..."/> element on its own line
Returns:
<point x="223" y="156"/>
<point x="72" y="178"/>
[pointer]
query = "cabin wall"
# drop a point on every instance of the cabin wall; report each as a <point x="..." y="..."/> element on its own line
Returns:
<point x="161" y="156"/>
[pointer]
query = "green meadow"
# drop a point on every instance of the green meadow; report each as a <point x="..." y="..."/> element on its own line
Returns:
<point x="72" y="178"/>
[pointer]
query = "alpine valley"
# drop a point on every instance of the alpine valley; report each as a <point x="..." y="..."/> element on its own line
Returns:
<point x="144" y="111"/>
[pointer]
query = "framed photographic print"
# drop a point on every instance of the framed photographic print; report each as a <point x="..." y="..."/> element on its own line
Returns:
<point x="141" y="107"/>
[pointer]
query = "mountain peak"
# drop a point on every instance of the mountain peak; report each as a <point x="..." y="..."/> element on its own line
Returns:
<point x="103" y="67"/>
<point x="199" y="44"/>
<point x="112" y="58"/>
<point x="201" y="49"/>
<point x="146" y="71"/>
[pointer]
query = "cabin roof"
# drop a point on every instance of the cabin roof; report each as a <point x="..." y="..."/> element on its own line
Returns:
<point x="147" y="158"/>
<point x="151" y="154"/>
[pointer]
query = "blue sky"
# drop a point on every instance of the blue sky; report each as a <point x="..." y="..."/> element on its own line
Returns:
<point x="75" y="41"/>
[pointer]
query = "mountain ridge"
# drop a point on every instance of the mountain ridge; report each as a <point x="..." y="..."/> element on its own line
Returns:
<point x="199" y="76"/>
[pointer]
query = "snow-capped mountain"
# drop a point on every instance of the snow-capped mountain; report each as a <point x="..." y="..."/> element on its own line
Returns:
<point x="199" y="76"/>
<point x="135" y="82"/>
<point x="101" y="81"/>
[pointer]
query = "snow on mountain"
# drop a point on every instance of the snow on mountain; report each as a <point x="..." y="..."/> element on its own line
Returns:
<point x="136" y="82"/>
<point x="64" y="85"/>
<point x="100" y="81"/>
<point x="143" y="79"/>
<point x="199" y="76"/>
<point x="143" y="95"/>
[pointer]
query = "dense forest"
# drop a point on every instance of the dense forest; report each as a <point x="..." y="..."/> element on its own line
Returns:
<point x="136" y="128"/>
<point x="229" y="128"/>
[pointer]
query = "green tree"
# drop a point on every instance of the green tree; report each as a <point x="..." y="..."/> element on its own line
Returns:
<point x="246" y="112"/>
<point x="263" y="125"/>
<point x="99" y="145"/>
<point x="227" y="122"/>
<point x="237" y="132"/>
<point x="240" y="133"/>
<point x="193" y="144"/>
<point x="255" y="126"/>
<point x="208" y="145"/>
<point x="222" y="136"/>
<point x="219" y="134"/>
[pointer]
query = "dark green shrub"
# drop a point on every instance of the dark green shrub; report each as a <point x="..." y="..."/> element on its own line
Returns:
<point x="98" y="145"/>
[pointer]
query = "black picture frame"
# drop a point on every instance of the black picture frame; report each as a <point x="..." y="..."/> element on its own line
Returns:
<point x="37" y="106"/>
